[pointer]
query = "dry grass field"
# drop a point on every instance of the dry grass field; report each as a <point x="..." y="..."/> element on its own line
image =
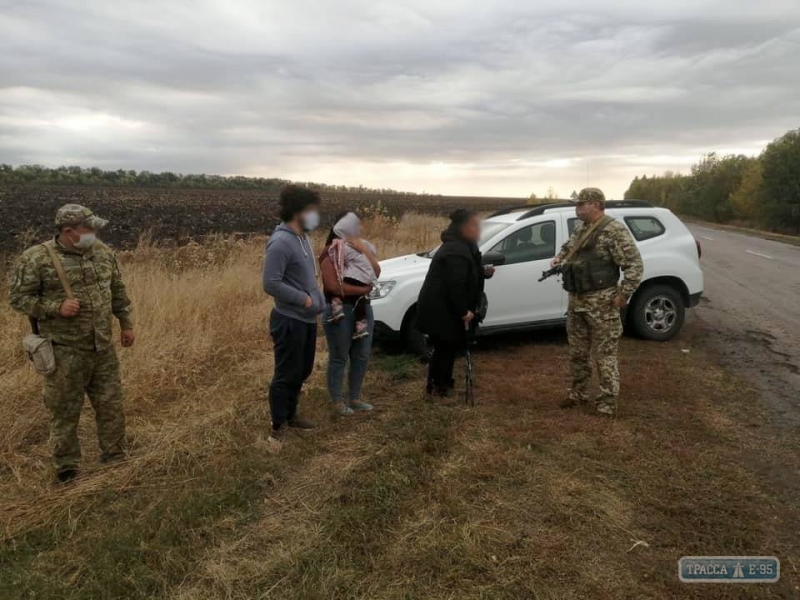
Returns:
<point x="514" y="499"/>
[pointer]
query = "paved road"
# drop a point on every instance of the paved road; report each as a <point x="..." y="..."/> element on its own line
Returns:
<point x="751" y="313"/>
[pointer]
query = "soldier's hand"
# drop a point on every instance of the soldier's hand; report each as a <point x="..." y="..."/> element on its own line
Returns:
<point x="309" y="302"/>
<point x="619" y="302"/>
<point x="555" y="262"/>
<point x="128" y="338"/>
<point x="70" y="308"/>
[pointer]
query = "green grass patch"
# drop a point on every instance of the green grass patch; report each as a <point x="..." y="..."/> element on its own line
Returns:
<point x="400" y="367"/>
<point x="138" y="543"/>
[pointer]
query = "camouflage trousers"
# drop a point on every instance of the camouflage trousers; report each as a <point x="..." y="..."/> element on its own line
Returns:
<point x="80" y="373"/>
<point x="594" y="338"/>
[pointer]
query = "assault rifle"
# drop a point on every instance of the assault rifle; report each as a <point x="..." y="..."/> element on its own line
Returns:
<point x="550" y="272"/>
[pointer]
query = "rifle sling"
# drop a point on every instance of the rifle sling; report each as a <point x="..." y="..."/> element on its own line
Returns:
<point x="582" y="240"/>
<point x="62" y="277"/>
<point x="59" y="267"/>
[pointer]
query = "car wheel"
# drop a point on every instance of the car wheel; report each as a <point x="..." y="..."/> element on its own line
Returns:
<point x="657" y="313"/>
<point x="416" y="343"/>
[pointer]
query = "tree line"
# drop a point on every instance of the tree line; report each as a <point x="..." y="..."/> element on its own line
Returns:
<point x="93" y="176"/>
<point x="757" y="191"/>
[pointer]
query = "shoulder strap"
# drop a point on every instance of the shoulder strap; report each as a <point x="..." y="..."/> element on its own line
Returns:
<point x="585" y="236"/>
<point x="62" y="277"/>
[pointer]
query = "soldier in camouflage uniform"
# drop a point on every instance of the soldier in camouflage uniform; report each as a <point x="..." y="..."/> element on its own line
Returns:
<point x="81" y="332"/>
<point x="596" y="297"/>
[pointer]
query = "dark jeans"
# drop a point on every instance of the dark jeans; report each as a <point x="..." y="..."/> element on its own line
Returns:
<point x="440" y="368"/>
<point x="342" y="347"/>
<point x="295" y="348"/>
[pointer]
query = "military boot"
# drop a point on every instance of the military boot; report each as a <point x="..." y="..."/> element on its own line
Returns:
<point x="571" y="401"/>
<point x="606" y="408"/>
<point x="66" y="475"/>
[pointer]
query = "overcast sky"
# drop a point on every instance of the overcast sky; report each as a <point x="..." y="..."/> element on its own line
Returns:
<point x="487" y="98"/>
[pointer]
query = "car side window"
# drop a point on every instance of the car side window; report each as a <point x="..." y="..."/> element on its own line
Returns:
<point x="535" y="242"/>
<point x="571" y="225"/>
<point x="644" y="228"/>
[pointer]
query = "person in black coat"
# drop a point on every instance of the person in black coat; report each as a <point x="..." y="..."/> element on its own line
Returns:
<point x="450" y="297"/>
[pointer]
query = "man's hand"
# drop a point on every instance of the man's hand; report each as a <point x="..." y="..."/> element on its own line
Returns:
<point x="555" y="262"/>
<point x="619" y="302"/>
<point x="488" y="272"/>
<point x="70" y="308"/>
<point x="128" y="338"/>
<point x="308" y="303"/>
<point x="468" y="317"/>
<point x="358" y="244"/>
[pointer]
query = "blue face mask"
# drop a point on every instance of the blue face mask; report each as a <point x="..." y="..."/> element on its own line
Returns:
<point x="310" y="221"/>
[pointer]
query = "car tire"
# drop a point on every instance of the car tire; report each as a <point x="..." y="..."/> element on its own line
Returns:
<point x="415" y="342"/>
<point x="657" y="313"/>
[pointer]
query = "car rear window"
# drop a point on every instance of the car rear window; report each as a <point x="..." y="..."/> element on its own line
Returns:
<point x="644" y="228"/>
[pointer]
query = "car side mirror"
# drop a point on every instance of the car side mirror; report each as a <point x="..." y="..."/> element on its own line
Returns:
<point x="493" y="258"/>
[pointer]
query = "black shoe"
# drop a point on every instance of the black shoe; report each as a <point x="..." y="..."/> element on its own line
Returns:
<point x="298" y="423"/>
<point x="66" y="475"/>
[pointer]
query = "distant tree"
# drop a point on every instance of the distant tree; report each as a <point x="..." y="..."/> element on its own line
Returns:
<point x="781" y="182"/>
<point x="74" y="175"/>
<point x="552" y="194"/>
<point x="574" y="195"/>
<point x="747" y="199"/>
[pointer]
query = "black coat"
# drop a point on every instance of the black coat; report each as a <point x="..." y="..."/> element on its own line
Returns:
<point x="454" y="285"/>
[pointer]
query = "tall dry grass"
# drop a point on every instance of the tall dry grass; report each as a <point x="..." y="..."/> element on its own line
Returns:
<point x="515" y="499"/>
<point x="202" y="356"/>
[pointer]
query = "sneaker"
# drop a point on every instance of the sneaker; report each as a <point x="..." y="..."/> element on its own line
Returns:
<point x="298" y="423"/>
<point x="276" y="439"/>
<point x="337" y="311"/>
<point x="341" y="409"/>
<point x="358" y="405"/>
<point x="362" y="330"/>
<point x="66" y="475"/>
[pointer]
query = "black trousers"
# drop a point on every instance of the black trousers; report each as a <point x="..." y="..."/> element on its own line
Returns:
<point x="295" y="349"/>
<point x="440" y="368"/>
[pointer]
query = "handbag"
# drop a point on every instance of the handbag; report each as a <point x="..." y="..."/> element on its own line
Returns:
<point x="40" y="349"/>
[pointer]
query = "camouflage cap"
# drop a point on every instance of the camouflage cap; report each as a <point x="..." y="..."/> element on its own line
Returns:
<point x="72" y="215"/>
<point x="591" y="195"/>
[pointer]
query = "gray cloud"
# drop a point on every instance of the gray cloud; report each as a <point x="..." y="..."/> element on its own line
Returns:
<point x="503" y="98"/>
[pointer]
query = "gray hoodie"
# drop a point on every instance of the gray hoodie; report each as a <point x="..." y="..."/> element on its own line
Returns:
<point x="290" y="275"/>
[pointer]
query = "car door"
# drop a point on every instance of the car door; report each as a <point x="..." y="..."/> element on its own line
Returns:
<point x="516" y="297"/>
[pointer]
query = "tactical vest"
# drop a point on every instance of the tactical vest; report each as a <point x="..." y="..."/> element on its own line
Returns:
<point x="587" y="271"/>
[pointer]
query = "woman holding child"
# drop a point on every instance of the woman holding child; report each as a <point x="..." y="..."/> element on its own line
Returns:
<point x="349" y="268"/>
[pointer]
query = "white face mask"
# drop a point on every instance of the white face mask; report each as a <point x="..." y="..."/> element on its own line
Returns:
<point x="310" y="221"/>
<point x="85" y="240"/>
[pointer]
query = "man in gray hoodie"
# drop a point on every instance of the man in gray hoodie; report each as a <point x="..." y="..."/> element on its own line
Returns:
<point x="290" y="277"/>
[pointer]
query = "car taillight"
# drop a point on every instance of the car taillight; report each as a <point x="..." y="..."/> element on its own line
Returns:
<point x="699" y="249"/>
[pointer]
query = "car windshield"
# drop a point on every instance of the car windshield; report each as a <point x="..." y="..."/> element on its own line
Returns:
<point x="488" y="231"/>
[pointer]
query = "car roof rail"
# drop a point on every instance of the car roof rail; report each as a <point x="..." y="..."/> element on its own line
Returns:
<point x="538" y="210"/>
<point x="508" y="209"/>
<point x="629" y="204"/>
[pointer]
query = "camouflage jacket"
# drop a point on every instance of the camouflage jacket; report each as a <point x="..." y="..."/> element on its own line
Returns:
<point x="614" y="242"/>
<point x="96" y="282"/>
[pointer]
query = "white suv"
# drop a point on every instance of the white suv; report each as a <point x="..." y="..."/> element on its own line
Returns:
<point x="522" y="241"/>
